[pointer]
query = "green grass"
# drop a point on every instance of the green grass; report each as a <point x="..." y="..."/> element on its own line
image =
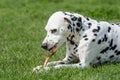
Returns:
<point x="22" y="25"/>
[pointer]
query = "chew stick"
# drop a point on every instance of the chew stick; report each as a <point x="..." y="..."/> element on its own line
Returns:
<point x="48" y="57"/>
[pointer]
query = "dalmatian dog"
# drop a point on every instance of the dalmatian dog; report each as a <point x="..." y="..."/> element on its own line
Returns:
<point x="88" y="42"/>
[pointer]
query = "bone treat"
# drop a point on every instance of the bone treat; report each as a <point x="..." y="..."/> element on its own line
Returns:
<point x="48" y="57"/>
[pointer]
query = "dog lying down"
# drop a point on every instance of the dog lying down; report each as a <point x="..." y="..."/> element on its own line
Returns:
<point x="88" y="42"/>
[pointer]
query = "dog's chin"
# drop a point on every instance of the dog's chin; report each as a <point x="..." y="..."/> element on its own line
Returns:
<point x="53" y="49"/>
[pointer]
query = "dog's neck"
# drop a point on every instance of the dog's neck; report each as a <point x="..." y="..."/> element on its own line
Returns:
<point x="87" y="23"/>
<point x="78" y="32"/>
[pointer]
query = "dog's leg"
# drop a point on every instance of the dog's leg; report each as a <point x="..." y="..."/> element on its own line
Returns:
<point x="53" y="63"/>
<point x="85" y="60"/>
<point x="78" y="65"/>
<point x="65" y="61"/>
<point x="50" y="65"/>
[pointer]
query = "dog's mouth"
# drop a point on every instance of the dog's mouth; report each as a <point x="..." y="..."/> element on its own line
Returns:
<point x="53" y="49"/>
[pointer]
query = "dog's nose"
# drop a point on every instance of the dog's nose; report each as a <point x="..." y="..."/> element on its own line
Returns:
<point x="44" y="46"/>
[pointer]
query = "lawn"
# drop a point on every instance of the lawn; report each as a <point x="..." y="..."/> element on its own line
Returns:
<point x="22" y="31"/>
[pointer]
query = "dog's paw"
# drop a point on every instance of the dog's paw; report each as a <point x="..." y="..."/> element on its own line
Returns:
<point x="40" y="69"/>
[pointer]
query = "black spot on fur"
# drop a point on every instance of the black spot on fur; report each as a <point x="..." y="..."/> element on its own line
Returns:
<point x="73" y="55"/>
<point x="86" y="39"/>
<point x="98" y="58"/>
<point x="79" y="19"/>
<point x="64" y="13"/>
<point x="70" y="57"/>
<point x="72" y="37"/>
<point x="117" y="23"/>
<point x="104" y="50"/>
<point x="95" y="34"/>
<point x="83" y="29"/>
<point x="77" y="29"/>
<point x="71" y="42"/>
<point x="109" y="28"/>
<point x="118" y="53"/>
<point x="62" y="62"/>
<point x="113" y="47"/>
<point x="112" y="24"/>
<point x="96" y="30"/>
<point x="74" y="18"/>
<point x="75" y="46"/>
<point x="105" y="37"/>
<point x="93" y="40"/>
<point x="73" y="24"/>
<point x="103" y="40"/>
<point x="69" y="27"/>
<point x="99" y="41"/>
<point x="76" y="50"/>
<point x="78" y="24"/>
<point x="111" y="56"/>
<point x="87" y="18"/>
<point x="84" y="36"/>
<point x="89" y="24"/>
<point x="67" y="20"/>
<point x="111" y="43"/>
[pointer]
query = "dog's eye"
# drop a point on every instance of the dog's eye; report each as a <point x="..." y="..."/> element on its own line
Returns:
<point x="53" y="30"/>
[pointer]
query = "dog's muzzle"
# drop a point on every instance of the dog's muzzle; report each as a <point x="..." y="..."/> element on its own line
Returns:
<point x="52" y="49"/>
<point x="44" y="46"/>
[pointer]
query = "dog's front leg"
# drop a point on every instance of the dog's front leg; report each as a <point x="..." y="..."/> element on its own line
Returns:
<point x="86" y="55"/>
<point x="53" y="63"/>
<point x="78" y="65"/>
<point x="50" y="65"/>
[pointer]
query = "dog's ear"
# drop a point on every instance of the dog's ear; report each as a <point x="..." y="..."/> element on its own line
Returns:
<point x="67" y="20"/>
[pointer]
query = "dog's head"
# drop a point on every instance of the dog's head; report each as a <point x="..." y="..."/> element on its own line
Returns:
<point x="57" y="31"/>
